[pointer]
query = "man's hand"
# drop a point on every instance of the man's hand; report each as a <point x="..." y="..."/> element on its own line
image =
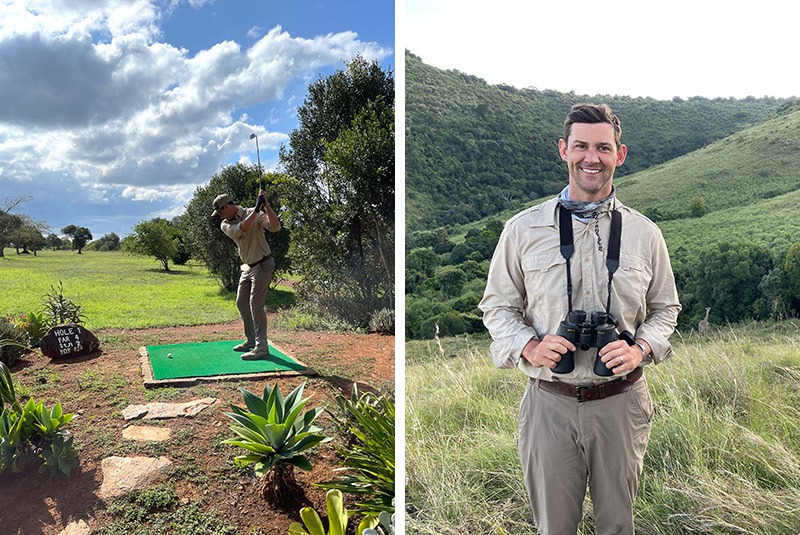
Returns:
<point x="621" y="358"/>
<point x="547" y="351"/>
<point x="262" y="200"/>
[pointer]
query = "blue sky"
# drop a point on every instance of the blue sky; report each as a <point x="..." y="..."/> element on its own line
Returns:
<point x="680" y="48"/>
<point x="114" y="111"/>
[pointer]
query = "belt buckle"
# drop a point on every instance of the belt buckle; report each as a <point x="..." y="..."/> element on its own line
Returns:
<point x="601" y="393"/>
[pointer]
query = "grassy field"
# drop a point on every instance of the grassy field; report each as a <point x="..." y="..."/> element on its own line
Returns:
<point x="723" y="458"/>
<point x="117" y="290"/>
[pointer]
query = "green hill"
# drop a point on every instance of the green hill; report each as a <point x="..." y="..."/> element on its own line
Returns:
<point x="746" y="168"/>
<point x="474" y="149"/>
<point x="727" y="206"/>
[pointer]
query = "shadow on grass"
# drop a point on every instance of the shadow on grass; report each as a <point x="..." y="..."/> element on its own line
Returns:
<point x="278" y="298"/>
<point x="172" y="272"/>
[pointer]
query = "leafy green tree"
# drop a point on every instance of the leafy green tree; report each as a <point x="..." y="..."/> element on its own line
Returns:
<point x="791" y="268"/>
<point x="10" y="223"/>
<point x="339" y="192"/>
<point x="421" y="264"/>
<point x="157" y="238"/>
<point x="450" y="280"/>
<point x="80" y="236"/>
<point x="728" y="277"/>
<point x="28" y="235"/>
<point x="698" y="207"/>
<point x="108" y="242"/>
<point x="201" y="230"/>
<point x="53" y="241"/>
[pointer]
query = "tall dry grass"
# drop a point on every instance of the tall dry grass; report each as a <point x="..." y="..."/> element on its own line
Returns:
<point x="723" y="458"/>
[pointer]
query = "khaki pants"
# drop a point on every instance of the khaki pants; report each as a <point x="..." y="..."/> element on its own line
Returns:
<point x="563" y="444"/>
<point x="251" y="298"/>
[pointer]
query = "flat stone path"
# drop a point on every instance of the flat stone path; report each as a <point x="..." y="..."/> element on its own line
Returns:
<point x="122" y="475"/>
<point x="155" y="411"/>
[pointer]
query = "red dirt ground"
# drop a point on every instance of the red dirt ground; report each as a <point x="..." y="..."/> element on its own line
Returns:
<point x="99" y="387"/>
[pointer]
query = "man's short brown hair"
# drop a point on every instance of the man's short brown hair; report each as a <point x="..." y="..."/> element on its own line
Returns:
<point x="592" y="114"/>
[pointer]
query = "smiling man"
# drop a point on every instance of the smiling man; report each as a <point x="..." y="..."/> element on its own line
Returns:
<point x="580" y="297"/>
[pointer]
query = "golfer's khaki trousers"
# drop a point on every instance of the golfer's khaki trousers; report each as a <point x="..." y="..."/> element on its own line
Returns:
<point x="251" y="299"/>
<point x="563" y="444"/>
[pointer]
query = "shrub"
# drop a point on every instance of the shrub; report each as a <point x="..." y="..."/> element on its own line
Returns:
<point x="32" y="431"/>
<point x="13" y="342"/>
<point x="276" y="435"/>
<point x="59" y="309"/>
<point x="369" y="454"/>
<point x="382" y="321"/>
<point x="33" y="324"/>
<point x="337" y="519"/>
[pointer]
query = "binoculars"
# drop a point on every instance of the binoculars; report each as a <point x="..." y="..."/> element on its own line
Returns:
<point x="597" y="332"/>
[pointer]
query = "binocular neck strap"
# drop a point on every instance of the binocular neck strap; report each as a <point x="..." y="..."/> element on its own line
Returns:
<point x="568" y="248"/>
<point x="612" y="260"/>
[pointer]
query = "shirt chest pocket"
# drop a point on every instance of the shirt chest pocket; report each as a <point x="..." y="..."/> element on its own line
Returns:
<point x="545" y="282"/>
<point x="632" y="280"/>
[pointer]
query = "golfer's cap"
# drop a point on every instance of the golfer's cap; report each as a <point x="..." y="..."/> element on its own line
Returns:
<point x="219" y="202"/>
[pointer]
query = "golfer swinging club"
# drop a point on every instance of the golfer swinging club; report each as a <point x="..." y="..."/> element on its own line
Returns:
<point x="245" y="227"/>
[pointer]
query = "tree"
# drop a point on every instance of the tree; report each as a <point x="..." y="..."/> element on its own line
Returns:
<point x="9" y="223"/>
<point x="728" y="277"/>
<point x="205" y="239"/>
<point x="339" y="191"/>
<point x="80" y="236"/>
<point x="791" y="267"/>
<point x="28" y="235"/>
<point x="53" y="241"/>
<point x="157" y="238"/>
<point x="108" y="242"/>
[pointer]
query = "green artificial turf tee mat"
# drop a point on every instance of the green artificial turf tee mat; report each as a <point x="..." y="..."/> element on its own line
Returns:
<point x="213" y="359"/>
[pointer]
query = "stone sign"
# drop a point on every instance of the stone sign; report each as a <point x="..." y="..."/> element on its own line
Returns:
<point x="68" y="340"/>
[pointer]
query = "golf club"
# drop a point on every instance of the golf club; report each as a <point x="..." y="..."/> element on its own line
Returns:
<point x="258" y="155"/>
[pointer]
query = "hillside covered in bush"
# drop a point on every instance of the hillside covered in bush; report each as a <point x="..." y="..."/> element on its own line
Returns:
<point x="474" y="149"/>
<point x="718" y="176"/>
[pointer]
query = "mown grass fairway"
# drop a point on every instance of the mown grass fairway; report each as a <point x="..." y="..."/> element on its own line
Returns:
<point x="723" y="458"/>
<point x="116" y="290"/>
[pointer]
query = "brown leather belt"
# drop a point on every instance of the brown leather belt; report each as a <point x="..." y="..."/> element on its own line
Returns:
<point x="591" y="393"/>
<point x="254" y="264"/>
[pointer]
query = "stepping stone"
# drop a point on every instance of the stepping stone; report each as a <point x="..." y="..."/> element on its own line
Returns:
<point x="154" y="411"/>
<point x="122" y="475"/>
<point x="78" y="527"/>
<point x="146" y="433"/>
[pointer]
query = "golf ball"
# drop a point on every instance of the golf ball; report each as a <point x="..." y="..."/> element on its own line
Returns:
<point x="169" y="355"/>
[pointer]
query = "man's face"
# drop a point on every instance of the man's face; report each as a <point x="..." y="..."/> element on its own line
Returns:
<point x="228" y="211"/>
<point x="591" y="155"/>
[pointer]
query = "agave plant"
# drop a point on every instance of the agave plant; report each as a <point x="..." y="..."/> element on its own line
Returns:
<point x="272" y="429"/>
<point x="32" y="432"/>
<point x="337" y="519"/>
<point x="384" y="527"/>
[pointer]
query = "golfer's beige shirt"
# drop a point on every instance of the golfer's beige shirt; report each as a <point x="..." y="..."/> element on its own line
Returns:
<point x="526" y="291"/>
<point x="253" y="244"/>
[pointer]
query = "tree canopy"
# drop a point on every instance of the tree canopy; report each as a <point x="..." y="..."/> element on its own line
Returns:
<point x="339" y="191"/>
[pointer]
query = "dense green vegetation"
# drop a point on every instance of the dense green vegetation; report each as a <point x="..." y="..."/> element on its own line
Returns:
<point x="727" y="209"/>
<point x="473" y="149"/>
<point x="723" y="457"/>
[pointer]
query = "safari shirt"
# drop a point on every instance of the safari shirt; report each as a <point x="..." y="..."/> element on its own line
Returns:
<point x="526" y="290"/>
<point x="252" y="245"/>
